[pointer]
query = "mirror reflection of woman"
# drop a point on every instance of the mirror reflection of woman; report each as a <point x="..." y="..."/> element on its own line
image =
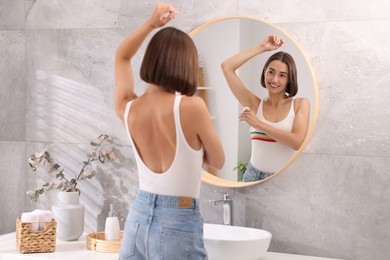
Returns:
<point x="171" y="135"/>
<point x="279" y="122"/>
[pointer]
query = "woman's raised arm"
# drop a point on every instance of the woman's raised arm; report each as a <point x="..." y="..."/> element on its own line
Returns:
<point x="124" y="79"/>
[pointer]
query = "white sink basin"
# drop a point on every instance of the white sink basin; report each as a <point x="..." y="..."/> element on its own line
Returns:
<point x="232" y="243"/>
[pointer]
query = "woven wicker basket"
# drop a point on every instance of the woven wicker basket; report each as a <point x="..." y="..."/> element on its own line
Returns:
<point x="29" y="241"/>
<point x="97" y="242"/>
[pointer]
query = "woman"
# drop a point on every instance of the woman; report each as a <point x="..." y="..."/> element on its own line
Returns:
<point x="279" y="122"/>
<point x="172" y="136"/>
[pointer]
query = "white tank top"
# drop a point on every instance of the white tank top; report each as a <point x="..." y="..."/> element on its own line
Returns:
<point x="268" y="155"/>
<point x="183" y="178"/>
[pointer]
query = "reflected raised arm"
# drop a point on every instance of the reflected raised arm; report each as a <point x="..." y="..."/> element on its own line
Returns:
<point x="244" y="96"/>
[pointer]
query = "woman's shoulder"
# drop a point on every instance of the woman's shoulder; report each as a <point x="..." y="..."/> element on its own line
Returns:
<point x="300" y="103"/>
<point x="301" y="100"/>
<point x="193" y="105"/>
<point x="192" y="102"/>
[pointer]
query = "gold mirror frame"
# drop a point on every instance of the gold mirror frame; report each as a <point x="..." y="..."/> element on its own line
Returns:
<point x="220" y="182"/>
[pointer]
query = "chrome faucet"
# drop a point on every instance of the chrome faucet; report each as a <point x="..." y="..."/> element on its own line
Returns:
<point x="227" y="207"/>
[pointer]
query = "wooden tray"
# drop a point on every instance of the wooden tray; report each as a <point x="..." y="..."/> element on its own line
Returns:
<point x="96" y="242"/>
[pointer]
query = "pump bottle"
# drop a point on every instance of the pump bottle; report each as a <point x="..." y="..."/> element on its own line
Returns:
<point x="112" y="230"/>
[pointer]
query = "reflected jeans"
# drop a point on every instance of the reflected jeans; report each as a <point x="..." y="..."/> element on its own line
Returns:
<point x="160" y="227"/>
<point x="253" y="174"/>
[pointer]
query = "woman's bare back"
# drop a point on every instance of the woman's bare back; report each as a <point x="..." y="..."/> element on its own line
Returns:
<point x="152" y="125"/>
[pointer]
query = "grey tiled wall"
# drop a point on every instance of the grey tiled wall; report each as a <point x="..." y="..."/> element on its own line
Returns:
<point x="56" y="81"/>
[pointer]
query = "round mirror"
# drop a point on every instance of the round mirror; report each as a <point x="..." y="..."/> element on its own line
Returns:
<point x="218" y="40"/>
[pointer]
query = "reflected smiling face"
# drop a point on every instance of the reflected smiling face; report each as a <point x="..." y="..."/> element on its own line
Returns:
<point x="276" y="77"/>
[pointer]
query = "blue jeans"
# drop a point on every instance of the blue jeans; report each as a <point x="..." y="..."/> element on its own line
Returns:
<point x="163" y="227"/>
<point x="253" y="174"/>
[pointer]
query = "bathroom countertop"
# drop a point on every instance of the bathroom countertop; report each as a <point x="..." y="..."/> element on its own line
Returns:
<point x="77" y="250"/>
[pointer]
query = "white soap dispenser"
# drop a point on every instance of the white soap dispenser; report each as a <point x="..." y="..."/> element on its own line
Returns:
<point x="112" y="230"/>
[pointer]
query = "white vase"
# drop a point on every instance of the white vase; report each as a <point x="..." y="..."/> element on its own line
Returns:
<point x="69" y="215"/>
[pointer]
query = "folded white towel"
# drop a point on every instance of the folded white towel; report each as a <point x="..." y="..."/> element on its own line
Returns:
<point x="31" y="217"/>
<point x="38" y="216"/>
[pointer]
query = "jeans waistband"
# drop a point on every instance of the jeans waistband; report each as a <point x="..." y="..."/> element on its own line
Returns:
<point x="153" y="200"/>
<point x="258" y="172"/>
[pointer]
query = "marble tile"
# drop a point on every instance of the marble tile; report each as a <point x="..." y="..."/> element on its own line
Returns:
<point x="12" y="14"/>
<point x="70" y="86"/>
<point x="194" y="13"/>
<point x="353" y="98"/>
<point x="296" y="11"/>
<point x="320" y="203"/>
<point x="12" y="191"/>
<point x="118" y="13"/>
<point x="72" y="14"/>
<point x="12" y="78"/>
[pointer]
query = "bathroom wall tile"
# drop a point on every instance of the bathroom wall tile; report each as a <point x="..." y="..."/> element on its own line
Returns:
<point x="118" y="13"/>
<point x="72" y="14"/>
<point x="70" y="86"/>
<point x="115" y="182"/>
<point x="351" y="68"/>
<point x="12" y="14"/>
<point x="12" y="78"/>
<point x="12" y="189"/>
<point x="193" y="13"/>
<point x="328" y="200"/>
<point x="314" y="11"/>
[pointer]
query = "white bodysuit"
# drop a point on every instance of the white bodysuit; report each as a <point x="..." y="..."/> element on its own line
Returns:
<point x="268" y="155"/>
<point x="183" y="178"/>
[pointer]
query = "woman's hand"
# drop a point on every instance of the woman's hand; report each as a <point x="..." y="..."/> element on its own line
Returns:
<point x="272" y="43"/>
<point x="162" y="14"/>
<point x="248" y="116"/>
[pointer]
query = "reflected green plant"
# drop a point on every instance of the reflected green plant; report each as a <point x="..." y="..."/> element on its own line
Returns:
<point x="241" y="168"/>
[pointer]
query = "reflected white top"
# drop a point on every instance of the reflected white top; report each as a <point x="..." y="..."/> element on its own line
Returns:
<point x="183" y="177"/>
<point x="268" y="155"/>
